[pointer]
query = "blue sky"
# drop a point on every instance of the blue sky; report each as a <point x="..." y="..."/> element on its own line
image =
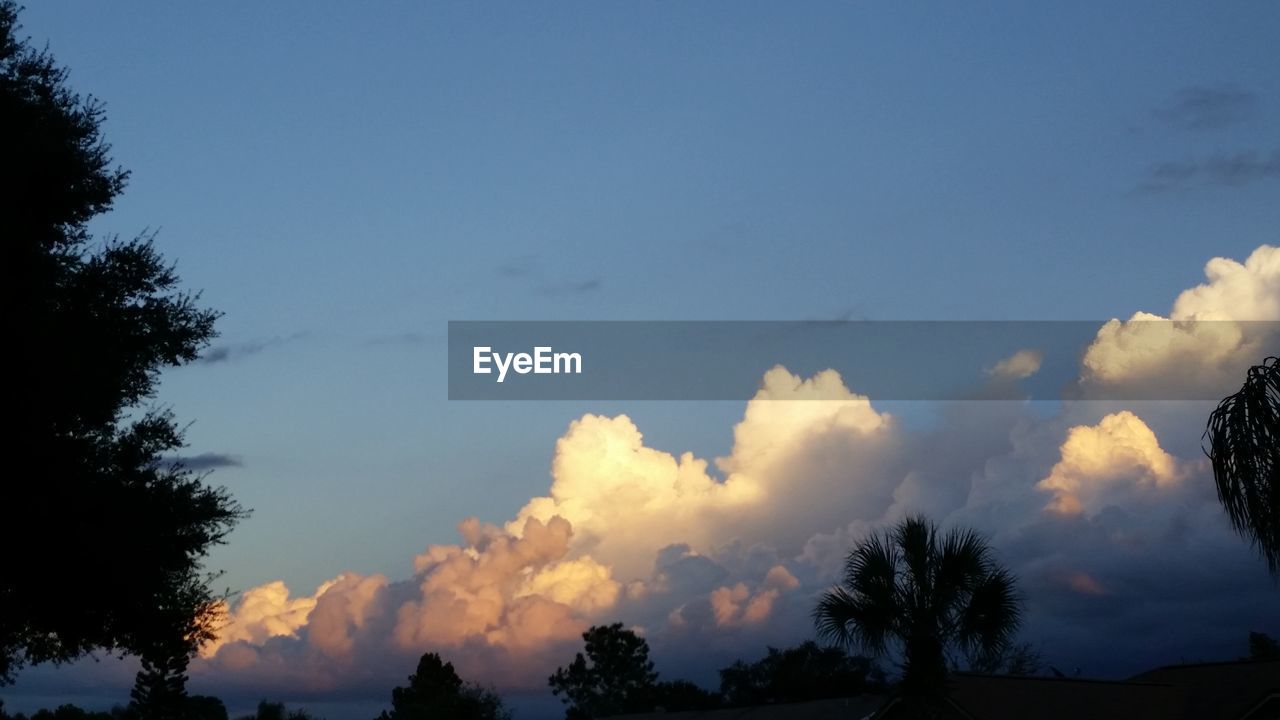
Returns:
<point x="342" y="179"/>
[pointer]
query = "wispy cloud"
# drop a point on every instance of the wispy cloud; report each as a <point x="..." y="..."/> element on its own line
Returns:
<point x="1204" y="107"/>
<point x="205" y="461"/>
<point x="235" y="351"/>
<point x="412" y="337"/>
<point x="570" y="288"/>
<point x="1231" y="170"/>
<point x="519" y="266"/>
<point x="529" y="267"/>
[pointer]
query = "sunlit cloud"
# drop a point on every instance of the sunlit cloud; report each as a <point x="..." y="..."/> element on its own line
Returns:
<point x="1088" y="507"/>
<point x="1213" y="332"/>
<point x="1018" y="366"/>
<point x="1118" y="455"/>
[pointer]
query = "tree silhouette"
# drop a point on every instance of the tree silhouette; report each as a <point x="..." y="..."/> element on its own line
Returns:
<point x="1263" y="647"/>
<point x="62" y="712"/>
<point x="435" y="692"/>
<point x="275" y="711"/>
<point x="1244" y="449"/>
<point x="614" y="677"/>
<point x="1015" y="659"/>
<point x="916" y="592"/>
<point x="682" y="695"/>
<point x="102" y="538"/>
<point x="160" y="688"/>
<point x="807" y="671"/>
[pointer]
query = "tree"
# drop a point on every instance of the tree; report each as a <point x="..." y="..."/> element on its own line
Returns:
<point x="1244" y="449"/>
<point x="160" y="687"/>
<point x="68" y="712"/>
<point x="103" y="538"/>
<point x="1263" y="647"/>
<point x="268" y="711"/>
<point x="435" y="692"/>
<point x="917" y="593"/>
<point x="1014" y="659"/>
<point x="275" y="711"/>
<point x="614" y="677"/>
<point x="682" y="695"/>
<point x="805" y="672"/>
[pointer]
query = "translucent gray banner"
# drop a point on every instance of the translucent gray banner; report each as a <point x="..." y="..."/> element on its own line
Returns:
<point x="885" y="360"/>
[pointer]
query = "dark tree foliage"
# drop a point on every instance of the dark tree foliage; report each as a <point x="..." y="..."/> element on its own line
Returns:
<point x="198" y="707"/>
<point x="614" y="677"/>
<point x="1015" y="659"/>
<point x="681" y="696"/>
<point x="62" y="712"/>
<point x="919" y="593"/>
<point x="102" y="540"/>
<point x="269" y="711"/>
<point x="276" y="711"/>
<point x="435" y="692"/>
<point x="1263" y="647"/>
<point x="805" y="672"/>
<point x="1244" y="449"/>
<point x="160" y="688"/>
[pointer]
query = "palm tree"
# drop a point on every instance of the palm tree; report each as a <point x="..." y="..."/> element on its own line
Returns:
<point x="919" y="593"/>
<point x="1244" y="448"/>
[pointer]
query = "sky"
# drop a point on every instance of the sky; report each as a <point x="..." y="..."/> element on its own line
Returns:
<point x="342" y="180"/>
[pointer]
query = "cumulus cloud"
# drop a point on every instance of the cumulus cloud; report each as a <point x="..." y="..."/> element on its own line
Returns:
<point x="1018" y="366"/>
<point x="625" y="529"/>
<point x="627" y="501"/>
<point x="1214" y="331"/>
<point x="1118" y="456"/>
<point x="1093" y="508"/>
<point x="499" y="602"/>
<point x="738" y="605"/>
<point x="512" y="592"/>
<point x="264" y="612"/>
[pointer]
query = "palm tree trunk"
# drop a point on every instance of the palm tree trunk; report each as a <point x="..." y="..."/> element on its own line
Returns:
<point x="924" y="672"/>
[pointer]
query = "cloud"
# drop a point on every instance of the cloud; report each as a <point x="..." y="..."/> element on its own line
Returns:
<point x="1230" y="170"/>
<point x="1093" y="508"/>
<point x="528" y="267"/>
<point x="205" y="461"/>
<point x="626" y="531"/>
<point x="1213" y="333"/>
<point x="1084" y="583"/>
<point x="1018" y="366"/>
<point x="1118" y="456"/>
<point x="497" y="604"/>
<point x="628" y="501"/>
<point x="1204" y="107"/>
<point x="715" y="559"/>
<point x="237" y="351"/>
<point x="412" y="337"/>
<point x="262" y="613"/>
<point x="342" y="608"/>
<point x="512" y="592"/>
<point x="570" y="288"/>
<point x="739" y="606"/>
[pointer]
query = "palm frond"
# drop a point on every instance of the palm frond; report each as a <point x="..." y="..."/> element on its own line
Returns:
<point x="916" y="540"/>
<point x="851" y="621"/>
<point x="993" y="614"/>
<point x="963" y="560"/>
<point x="1243" y="433"/>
